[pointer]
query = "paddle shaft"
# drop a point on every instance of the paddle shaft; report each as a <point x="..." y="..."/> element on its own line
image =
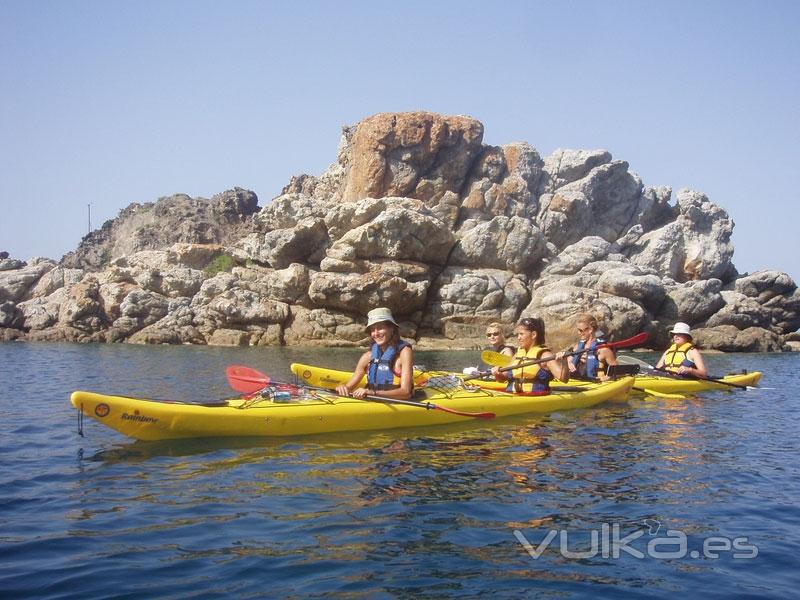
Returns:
<point x="673" y="375"/>
<point x="711" y="379"/>
<point x="242" y="379"/>
<point x="632" y="341"/>
<point x="426" y="405"/>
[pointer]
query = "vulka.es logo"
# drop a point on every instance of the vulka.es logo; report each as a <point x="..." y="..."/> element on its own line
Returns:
<point x="608" y="542"/>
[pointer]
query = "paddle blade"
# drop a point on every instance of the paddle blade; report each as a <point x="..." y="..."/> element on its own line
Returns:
<point x="496" y="359"/>
<point x="246" y="380"/>
<point x="636" y="340"/>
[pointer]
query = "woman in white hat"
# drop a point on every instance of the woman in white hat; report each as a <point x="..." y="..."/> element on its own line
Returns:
<point x="388" y="364"/>
<point x="682" y="357"/>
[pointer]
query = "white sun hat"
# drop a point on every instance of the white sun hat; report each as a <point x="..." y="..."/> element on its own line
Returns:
<point x="682" y="328"/>
<point x="376" y="315"/>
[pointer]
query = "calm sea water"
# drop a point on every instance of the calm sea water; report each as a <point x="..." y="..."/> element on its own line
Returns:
<point x="690" y="489"/>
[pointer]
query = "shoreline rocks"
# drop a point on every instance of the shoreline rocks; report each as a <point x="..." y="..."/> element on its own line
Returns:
<point x="419" y="215"/>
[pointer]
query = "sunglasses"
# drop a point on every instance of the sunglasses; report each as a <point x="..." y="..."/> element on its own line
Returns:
<point x="492" y="334"/>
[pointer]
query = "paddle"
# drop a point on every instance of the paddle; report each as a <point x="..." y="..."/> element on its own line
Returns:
<point x="244" y="379"/>
<point x="498" y="359"/>
<point x="632" y="360"/>
<point x="508" y="362"/>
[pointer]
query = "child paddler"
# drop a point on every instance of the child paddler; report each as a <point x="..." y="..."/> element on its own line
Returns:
<point x="533" y="378"/>
<point x="387" y="358"/>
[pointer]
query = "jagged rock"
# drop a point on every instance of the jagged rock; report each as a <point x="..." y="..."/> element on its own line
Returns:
<point x="417" y="215"/>
<point x="55" y="279"/>
<point x="14" y="284"/>
<point x="391" y="228"/>
<point x="765" y="285"/>
<point x="418" y="155"/>
<point x="328" y="328"/>
<point x="573" y="258"/>
<point x="11" y="264"/>
<point x="193" y="256"/>
<point x="696" y="246"/>
<point x="691" y="302"/>
<point x="629" y="281"/>
<point x="503" y="182"/>
<point x="229" y="337"/>
<point x="42" y="312"/>
<point x="222" y="303"/>
<point x="729" y="338"/>
<point x="360" y="292"/>
<point x="157" y="225"/>
<point x="9" y="334"/>
<point x="475" y="297"/>
<point x="514" y="244"/>
<point x="605" y="203"/>
<point x="10" y="315"/>
<point x="785" y="311"/>
<point x="654" y="209"/>
<point x="565" y="166"/>
<point x="741" y="312"/>
<point x="81" y="309"/>
<point x="288" y="209"/>
<point x="306" y="242"/>
<point x="289" y="285"/>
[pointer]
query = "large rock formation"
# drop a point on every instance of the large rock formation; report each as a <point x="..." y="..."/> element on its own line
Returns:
<point x="419" y="215"/>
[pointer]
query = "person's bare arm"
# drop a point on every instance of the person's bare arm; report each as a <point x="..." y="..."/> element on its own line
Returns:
<point x="361" y="368"/>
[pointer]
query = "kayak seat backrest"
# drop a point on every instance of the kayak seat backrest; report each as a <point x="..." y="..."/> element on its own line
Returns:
<point x="615" y="371"/>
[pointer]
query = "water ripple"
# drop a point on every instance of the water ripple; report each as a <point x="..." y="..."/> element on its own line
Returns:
<point x="403" y="514"/>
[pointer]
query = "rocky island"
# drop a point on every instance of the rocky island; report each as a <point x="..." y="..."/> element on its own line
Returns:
<point x="419" y="215"/>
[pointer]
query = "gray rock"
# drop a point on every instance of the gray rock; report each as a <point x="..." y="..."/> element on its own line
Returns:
<point x="10" y="315"/>
<point x="565" y="166"/>
<point x="513" y="244"/>
<point x="417" y="214"/>
<point x="476" y="296"/>
<point x="729" y="338"/>
<point x="696" y="246"/>
<point x="741" y="312"/>
<point x="16" y="284"/>
<point x="11" y="264"/>
<point x="691" y="302"/>
<point x="158" y="225"/>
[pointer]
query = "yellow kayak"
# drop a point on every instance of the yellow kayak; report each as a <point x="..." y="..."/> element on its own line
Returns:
<point x="659" y="384"/>
<point x="322" y="412"/>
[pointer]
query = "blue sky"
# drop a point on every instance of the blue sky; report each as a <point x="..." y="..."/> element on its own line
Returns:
<point x="108" y="103"/>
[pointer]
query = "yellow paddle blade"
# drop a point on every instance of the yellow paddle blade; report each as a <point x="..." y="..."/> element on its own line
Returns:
<point x="495" y="359"/>
<point x="657" y="394"/>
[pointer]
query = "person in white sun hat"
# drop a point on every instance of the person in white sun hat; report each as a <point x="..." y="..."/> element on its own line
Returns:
<point x="388" y="364"/>
<point x="682" y="357"/>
